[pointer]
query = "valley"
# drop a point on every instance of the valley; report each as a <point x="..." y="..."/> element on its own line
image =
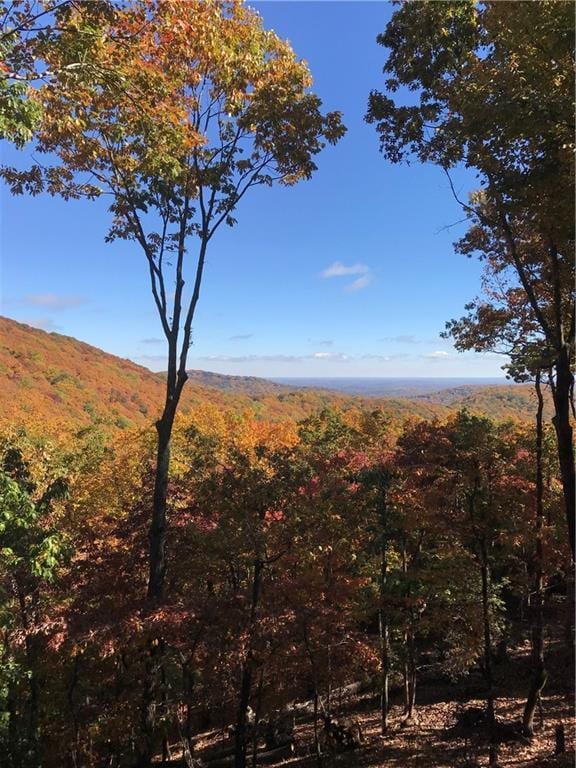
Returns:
<point x="58" y="380"/>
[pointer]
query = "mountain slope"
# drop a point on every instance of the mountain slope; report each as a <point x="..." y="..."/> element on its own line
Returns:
<point x="53" y="379"/>
<point x="248" y="385"/>
<point x="45" y="375"/>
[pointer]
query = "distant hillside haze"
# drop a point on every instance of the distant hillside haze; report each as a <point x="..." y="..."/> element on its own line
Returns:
<point x="249" y="385"/>
<point x="364" y="387"/>
<point x="55" y="379"/>
<point x="392" y="387"/>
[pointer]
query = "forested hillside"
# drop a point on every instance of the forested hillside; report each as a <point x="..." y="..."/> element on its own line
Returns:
<point x="352" y="503"/>
<point x="54" y="379"/>
<point x="342" y="546"/>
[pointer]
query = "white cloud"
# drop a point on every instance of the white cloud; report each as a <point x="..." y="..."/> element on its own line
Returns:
<point x="152" y="359"/>
<point x="153" y="340"/>
<point x="380" y="358"/>
<point x="240" y="337"/>
<point x="400" y="339"/>
<point x="43" y="323"/>
<point x="438" y="355"/>
<point x="252" y="358"/>
<point x="385" y="358"/>
<point x="279" y="358"/>
<point x="53" y="300"/>
<point x="337" y="269"/>
<point x="358" y="284"/>
<point x="329" y="356"/>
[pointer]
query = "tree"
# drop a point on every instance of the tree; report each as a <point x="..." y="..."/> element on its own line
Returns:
<point x="533" y="321"/>
<point x="28" y="30"/>
<point x="32" y="550"/>
<point x="465" y="502"/>
<point x="188" y="106"/>
<point x="378" y="478"/>
<point x="18" y="115"/>
<point x="516" y="58"/>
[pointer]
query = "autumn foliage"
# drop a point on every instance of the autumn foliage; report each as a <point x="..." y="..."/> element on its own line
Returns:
<point x="224" y="556"/>
<point x="274" y="569"/>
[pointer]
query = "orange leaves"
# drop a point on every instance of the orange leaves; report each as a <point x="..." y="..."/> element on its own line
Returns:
<point x="158" y="81"/>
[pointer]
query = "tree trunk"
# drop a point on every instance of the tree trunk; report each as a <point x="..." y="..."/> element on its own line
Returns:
<point x="562" y="407"/>
<point x="537" y="604"/>
<point x="405" y="666"/>
<point x="157" y="575"/>
<point x="383" y="620"/>
<point x="33" y="740"/>
<point x="149" y="705"/>
<point x="410" y="677"/>
<point x="488" y="677"/>
<point x="30" y="724"/>
<point x="560" y="740"/>
<point x="188" y="686"/>
<point x="157" y="532"/>
<point x="247" y="672"/>
<point x="317" y="749"/>
<point x="329" y="676"/>
<point x="71" y="688"/>
<point x="244" y="700"/>
<point x="14" y="726"/>
<point x="384" y="661"/>
<point x="538" y="682"/>
<point x="314" y="675"/>
<point x="257" y="716"/>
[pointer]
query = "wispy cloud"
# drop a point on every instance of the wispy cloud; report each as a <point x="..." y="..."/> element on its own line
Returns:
<point x="402" y="339"/>
<point x="251" y="358"/>
<point x="240" y="337"/>
<point x="153" y="340"/>
<point x="156" y="362"/>
<point x="329" y="356"/>
<point x="43" y="323"/>
<point x="358" y="284"/>
<point x="385" y="358"/>
<point x="275" y="358"/>
<point x="438" y="355"/>
<point x="337" y="269"/>
<point x="380" y="358"/>
<point x="405" y="338"/>
<point x="53" y="300"/>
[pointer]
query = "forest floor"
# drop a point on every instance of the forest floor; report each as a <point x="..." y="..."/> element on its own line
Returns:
<point x="435" y="741"/>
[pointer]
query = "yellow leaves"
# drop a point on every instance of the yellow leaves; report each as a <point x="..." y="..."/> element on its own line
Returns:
<point x="153" y="84"/>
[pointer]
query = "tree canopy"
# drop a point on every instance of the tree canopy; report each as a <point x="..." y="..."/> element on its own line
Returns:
<point x="493" y="89"/>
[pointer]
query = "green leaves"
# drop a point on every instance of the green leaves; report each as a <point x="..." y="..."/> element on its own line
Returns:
<point x="493" y="86"/>
<point x="19" y="117"/>
<point x="29" y="544"/>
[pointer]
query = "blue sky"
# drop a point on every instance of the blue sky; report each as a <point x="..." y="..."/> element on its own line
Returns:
<point x="350" y="274"/>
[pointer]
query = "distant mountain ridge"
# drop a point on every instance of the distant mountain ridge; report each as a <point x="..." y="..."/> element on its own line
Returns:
<point x="446" y="389"/>
<point x="53" y="379"/>
<point x="391" y="386"/>
<point x="248" y="385"/>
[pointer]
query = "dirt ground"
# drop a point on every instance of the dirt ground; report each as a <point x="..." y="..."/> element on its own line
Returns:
<point x="436" y="741"/>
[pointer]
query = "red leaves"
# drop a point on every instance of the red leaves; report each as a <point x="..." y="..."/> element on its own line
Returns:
<point x="274" y="515"/>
